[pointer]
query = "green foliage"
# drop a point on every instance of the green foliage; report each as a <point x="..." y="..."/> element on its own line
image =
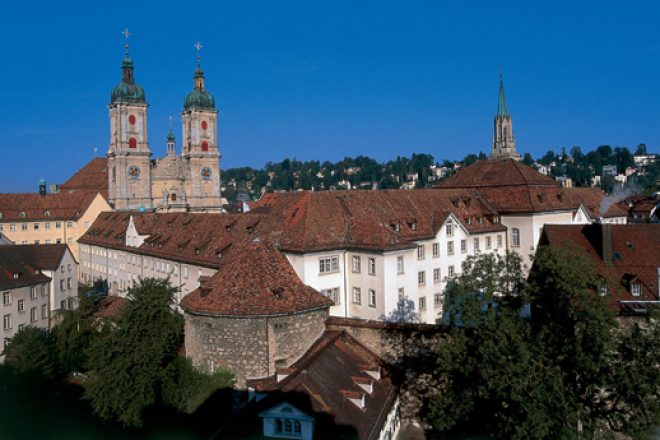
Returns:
<point x="567" y="373"/>
<point x="186" y="388"/>
<point x="128" y="361"/>
<point x="73" y="335"/>
<point x="31" y="351"/>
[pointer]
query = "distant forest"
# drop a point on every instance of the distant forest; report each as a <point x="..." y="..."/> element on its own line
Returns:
<point x="422" y="170"/>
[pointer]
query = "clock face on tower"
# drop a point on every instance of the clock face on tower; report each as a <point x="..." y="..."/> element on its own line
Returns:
<point x="206" y="173"/>
<point x="134" y="172"/>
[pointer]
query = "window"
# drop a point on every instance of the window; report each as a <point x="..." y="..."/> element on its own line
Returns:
<point x="7" y="322"/>
<point x="603" y="289"/>
<point x="436" y="275"/>
<point x="287" y="425"/>
<point x="69" y="284"/>
<point x="476" y="244"/>
<point x="329" y="264"/>
<point x="437" y="300"/>
<point x="47" y="225"/>
<point x="58" y="240"/>
<point x="357" y="295"/>
<point x="44" y="290"/>
<point x="463" y="246"/>
<point x="636" y="289"/>
<point x="24" y="227"/>
<point x="36" y="241"/>
<point x="21" y="305"/>
<point x="33" y="292"/>
<point x="12" y="227"/>
<point x="515" y="237"/>
<point x="422" y="303"/>
<point x="297" y="428"/>
<point x="44" y="311"/>
<point x="372" y="266"/>
<point x="488" y="243"/>
<point x="36" y="226"/>
<point x="450" y="229"/>
<point x="58" y="225"/>
<point x="33" y="314"/>
<point x="6" y="298"/>
<point x="205" y="147"/>
<point x="421" y="278"/>
<point x="420" y="252"/>
<point x="450" y="272"/>
<point x="357" y="263"/>
<point x="69" y="224"/>
<point x="450" y="248"/>
<point x="499" y="241"/>
<point x="399" y="264"/>
<point x="62" y="268"/>
<point x="372" y="298"/>
<point x="402" y="293"/>
<point x="132" y="143"/>
<point x="63" y="304"/>
<point x="436" y="249"/>
<point x="185" y="271"/>
<point x="332" y="293"/>
<point x="62" y="285"/>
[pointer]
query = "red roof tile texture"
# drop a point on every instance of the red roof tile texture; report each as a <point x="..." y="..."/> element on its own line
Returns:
<point x="110" y="307"/>
<point x="27" y="261"/>
<point x="65" y="205"/>
<point x="93" y="176"/>
<point x="329" y="374"/>
<point x="511" y="187"/>
<point x="254" y="279"/>
<point x="634" y="257"/>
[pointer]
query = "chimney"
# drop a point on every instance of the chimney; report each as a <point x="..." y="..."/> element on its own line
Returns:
<point x="42" y="187"/>
<point x="606" y="240"/>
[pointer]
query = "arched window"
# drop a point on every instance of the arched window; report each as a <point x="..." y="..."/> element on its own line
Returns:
<point x="205" y="146"/>
<point x="287" y="426"/>
<point x="296" y="427"/>
<point x="132" y="143"/>
<point x="131" y="119"/>
<point x="205" y="125"/>
<point x="278" y="425"/>
<point x="515" y="237"/>
<point x="174" y="197"/>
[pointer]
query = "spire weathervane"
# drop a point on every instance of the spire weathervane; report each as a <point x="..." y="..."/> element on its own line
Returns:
<point x="198" y="46"/>
<point x="126" y="35"/>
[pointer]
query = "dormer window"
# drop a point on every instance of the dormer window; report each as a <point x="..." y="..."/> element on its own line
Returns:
<point x="413" y="226"/>
<point x="469" y="221"/>
<point x="21" y="214"/>
<point x="197" y="251"/>
<point x="481" y="220"/>
<point x="396" y="227"/>
<point x="603" y="290"/>
<point x="47" y="214"/>
<point x="636" y="289"/>
<point x="496" y="219"/>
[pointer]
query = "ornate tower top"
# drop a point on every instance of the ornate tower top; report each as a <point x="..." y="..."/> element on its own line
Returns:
<point x="504" y="143"/>
<point x="199" y="98"/>
<point x="127" y="91"/>
<point x="171" y="140"/>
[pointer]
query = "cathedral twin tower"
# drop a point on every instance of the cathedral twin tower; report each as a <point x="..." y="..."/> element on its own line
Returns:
<point x="186" y="182"/>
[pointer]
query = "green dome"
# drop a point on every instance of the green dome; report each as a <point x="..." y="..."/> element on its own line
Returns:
<point x="199" y="98"/>
<point x="127" y="91"/>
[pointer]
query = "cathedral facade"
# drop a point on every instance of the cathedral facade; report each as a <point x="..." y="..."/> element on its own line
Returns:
<point x="189" y="181"/>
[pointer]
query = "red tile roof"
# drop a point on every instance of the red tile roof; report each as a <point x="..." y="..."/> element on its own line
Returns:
<point x="28" y="261"/>
<point x="254" y="279"/>
<point x="497" y="172"/>
<point x="93" y="176"/>
<point x="109" y="307"/>
<point x="66" y="205"/>
<point x="311" y="221"/>
<point x="635" y="256"/>
<point x="511" y="187"/>
<point x="328" y="375"/>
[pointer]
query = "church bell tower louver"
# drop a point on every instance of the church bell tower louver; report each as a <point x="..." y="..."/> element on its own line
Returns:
<point x="504" y="143"/>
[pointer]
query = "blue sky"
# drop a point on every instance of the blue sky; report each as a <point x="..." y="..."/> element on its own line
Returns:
<point x="324" y="80"/>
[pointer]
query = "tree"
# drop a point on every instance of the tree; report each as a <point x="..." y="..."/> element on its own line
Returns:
<point x="73" y="335"/>
<point x="404" y="312"/>
<point x="129" y="362"/>
<point x="641" y="149"/>
<point x="31" y="351"/>
<point x="569" y="372"/>
<point x="527" y="159"/>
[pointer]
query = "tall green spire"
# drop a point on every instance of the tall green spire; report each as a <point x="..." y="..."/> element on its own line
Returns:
<point x="502" y="110"/>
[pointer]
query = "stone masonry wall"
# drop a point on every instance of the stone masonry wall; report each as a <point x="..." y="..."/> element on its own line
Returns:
<point x="251" y="347"/>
